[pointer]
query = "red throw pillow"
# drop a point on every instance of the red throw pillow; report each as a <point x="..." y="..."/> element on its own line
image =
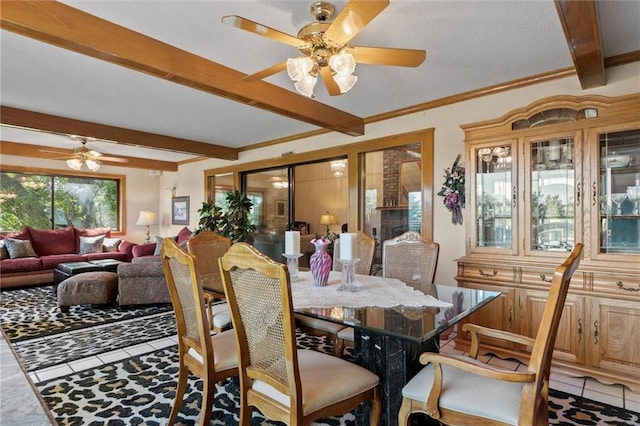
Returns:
<point x="183" y="235"/>
<point x="53" y="241"/>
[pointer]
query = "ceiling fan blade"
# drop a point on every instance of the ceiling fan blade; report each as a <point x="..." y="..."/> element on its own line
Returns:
<point x="266" y="72"/>
<point x="256" y="28"/>
<point x="64" y="152"/>
<point x="388" y="56"/>
<point x="352" y="19"/>
<point x="112" y="159"/>
<point x="329" y="82"/>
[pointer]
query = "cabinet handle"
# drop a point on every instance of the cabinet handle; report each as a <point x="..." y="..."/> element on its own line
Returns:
<point x="510" y="317"/>
<point x="594" y="194"/>
<point x="488" y="275"/>
<point x="579" y="330"/>
<point x="621" y="286"/>
<point x="578" y="194"/>
<point x="515" y="195"/>
<point x="544" y="278"/>
<point x="595" y="332"/>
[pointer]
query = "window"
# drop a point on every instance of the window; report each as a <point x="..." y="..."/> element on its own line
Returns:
<point x="49" y="201"/>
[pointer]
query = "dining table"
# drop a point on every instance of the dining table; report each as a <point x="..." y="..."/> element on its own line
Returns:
<point x="393" y="324"/>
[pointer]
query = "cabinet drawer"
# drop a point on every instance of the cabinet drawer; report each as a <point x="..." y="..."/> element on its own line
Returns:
<point x="489" y="273"/>
<point x="541" y="277"/>
<point x="626" y="286"/>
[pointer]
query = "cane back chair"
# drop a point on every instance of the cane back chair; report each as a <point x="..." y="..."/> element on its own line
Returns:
<point x="212" y="358"/>
<point x="294" y="386"/>
<point x="460" y="390"/>
<point x="410" y="259"/>
<point x="365" y="249"/>
<point x="207" y="247"/>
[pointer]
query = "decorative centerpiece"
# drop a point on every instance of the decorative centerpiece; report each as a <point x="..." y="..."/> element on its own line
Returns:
<point x="320" y="262"/>
<point x="453" y="190"/>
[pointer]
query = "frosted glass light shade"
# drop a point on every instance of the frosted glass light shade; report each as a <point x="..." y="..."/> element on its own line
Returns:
<point x="74" y="164"/>
<point x="306" y="85"/>
<point x="345" y="82"/>
<point x="299" y="68"/>
<point x="92" y="165"/>
<point x="342" y="63"/>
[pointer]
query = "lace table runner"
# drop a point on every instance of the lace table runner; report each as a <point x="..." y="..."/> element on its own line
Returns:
<point x="373" y="291"/>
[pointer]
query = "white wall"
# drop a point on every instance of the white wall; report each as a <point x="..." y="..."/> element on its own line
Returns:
<point x="145" y="191"/>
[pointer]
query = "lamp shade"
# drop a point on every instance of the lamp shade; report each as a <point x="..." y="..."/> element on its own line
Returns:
<point x="147" y="217"/>
<point x="328" y="219"/>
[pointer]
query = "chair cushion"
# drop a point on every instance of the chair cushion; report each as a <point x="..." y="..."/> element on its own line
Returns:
<point x="225" y="352"/>
<point x="469" y="393"/>
<point x="325" y="380"/>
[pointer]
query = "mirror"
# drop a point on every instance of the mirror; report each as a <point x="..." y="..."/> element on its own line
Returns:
<point x="410" y="180"/>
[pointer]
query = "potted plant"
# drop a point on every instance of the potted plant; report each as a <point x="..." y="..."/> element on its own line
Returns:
<point x="233" y="222"/>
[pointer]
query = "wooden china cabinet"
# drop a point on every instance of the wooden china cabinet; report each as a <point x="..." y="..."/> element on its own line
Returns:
<point x="539" y="179"/>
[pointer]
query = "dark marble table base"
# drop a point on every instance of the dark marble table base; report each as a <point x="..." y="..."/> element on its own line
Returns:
<point x="395" y="361"/>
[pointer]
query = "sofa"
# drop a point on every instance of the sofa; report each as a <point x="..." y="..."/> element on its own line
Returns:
<point x="152" y="250"/>
<point x="29" y="256"/>
<point x="142" y="282"/>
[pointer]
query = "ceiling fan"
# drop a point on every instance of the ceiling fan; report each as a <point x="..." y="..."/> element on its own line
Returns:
<point x="325" y="47"/>
<point x="83" y="155"/>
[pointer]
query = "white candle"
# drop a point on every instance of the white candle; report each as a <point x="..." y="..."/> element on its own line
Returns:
<point x="347" y="246"/>
<point x="292" y="242"/>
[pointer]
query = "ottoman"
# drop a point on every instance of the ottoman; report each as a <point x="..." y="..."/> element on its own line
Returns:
<point x="96" y="288"/>
<point x="69" y="269"/>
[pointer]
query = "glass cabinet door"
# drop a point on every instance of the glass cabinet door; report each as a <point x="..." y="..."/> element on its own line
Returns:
<point x="552" y="224"/>
<point x="494" y="196"/>
<point x="619" y="189"/>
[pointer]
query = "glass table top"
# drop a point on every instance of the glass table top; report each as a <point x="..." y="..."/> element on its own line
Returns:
<point x="416" y="324"/>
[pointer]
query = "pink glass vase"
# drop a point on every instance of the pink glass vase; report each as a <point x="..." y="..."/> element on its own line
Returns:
<point x="320" y="262"/>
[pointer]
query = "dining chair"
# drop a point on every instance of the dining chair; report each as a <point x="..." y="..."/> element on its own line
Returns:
<point x="211" y="358"/>
<point x="458" y="389"/>
<point x="365" y="250"/>
<point x="410" y="259"/>
<point x="294" y="386"/>
<point x="208" y="246"/>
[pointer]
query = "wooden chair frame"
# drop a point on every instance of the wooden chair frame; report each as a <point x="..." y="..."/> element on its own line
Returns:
<point x="195" y="343"/>
<point x="245" y="257"/>
<point x="535" y="392"/>
<point x="209" y="246"/>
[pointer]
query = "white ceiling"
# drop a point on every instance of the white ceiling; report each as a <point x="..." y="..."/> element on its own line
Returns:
<point x="470" y="45"/>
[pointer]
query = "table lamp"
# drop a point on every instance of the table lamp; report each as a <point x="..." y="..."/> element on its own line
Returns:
<point x="147" y="217"/>
<point x="328" y="219"/>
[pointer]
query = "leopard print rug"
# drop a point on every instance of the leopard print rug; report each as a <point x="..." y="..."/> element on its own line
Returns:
<point x="33" y="312"/>
<point x="140" y="391"/>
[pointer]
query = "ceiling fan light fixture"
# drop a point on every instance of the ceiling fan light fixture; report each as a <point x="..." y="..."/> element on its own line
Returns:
<point x="74" y="164"/>
<point x="299" y="68"/>
<point x="92" y="165"/>
<point x="345" y="82"/>
<point x="306" y="85"/>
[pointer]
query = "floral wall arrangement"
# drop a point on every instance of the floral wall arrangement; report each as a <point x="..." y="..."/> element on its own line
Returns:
<point x="453" y="190"/>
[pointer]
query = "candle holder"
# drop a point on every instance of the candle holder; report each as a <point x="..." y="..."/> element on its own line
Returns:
<point x="292" y="266"/>
<point x="348" y="275"/>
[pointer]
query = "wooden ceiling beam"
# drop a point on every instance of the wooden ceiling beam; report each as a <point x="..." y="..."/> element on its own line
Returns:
<point x="49" y="153"/>
<point x="581" y="27"/>
<point x="52" y="123"/>
<point x="64" y="26"/>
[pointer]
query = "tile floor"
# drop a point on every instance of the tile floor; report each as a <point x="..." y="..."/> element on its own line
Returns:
<point x="615" y="395"/>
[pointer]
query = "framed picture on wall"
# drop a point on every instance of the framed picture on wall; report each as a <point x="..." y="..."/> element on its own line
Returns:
<point x="281" y="209"/>
<point x="180" y="211"/>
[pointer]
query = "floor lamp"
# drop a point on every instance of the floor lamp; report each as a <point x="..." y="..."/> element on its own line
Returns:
<point x="147" y="217"/>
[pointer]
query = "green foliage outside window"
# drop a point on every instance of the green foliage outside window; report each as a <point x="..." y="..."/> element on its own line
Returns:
<point x="49" y="202"/>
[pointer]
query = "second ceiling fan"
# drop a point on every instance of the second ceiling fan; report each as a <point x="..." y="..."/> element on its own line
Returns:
<point x="325" y="47"/>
